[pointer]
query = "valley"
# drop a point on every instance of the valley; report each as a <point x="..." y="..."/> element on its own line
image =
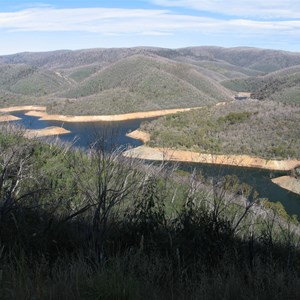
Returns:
<point x="145" y="167"/>
<point x="146" y="82"/>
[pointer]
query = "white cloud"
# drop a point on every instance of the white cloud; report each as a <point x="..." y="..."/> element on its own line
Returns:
<point x="113" y="21"/>
<point x="265" y="9"/>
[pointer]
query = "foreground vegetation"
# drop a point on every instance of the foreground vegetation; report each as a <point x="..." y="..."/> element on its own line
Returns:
<point x="96" y="225"/>
<point x="257" y="128"/>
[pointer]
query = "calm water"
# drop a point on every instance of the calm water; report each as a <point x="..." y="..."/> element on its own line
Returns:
<point x="257" y="178"/>
<point x="82" y="134"/>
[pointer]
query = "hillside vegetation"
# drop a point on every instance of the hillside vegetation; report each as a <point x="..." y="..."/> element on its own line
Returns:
<point x="281" y="86"/>
<point x="265" y="129"/>
<point x="30" y="81"/>
<point x="261" y="60"/>
<point x="97" y="225"/>
<point x="142" y="83"/>
<point x="112" y="81"/>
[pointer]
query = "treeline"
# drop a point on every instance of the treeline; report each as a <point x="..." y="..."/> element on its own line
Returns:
<point x="96" y="225"/>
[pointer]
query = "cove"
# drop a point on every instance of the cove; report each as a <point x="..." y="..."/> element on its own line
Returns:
<point x="83" y="134"/>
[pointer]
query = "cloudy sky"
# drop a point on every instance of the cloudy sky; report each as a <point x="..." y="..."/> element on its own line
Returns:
<point x="73" y="24"/>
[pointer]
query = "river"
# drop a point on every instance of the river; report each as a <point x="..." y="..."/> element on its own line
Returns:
<point x="82" y="134"/>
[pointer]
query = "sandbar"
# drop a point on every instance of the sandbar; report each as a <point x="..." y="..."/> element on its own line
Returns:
<point x="8" y="118"/>
<point x="139" y="135"/>
<point x="289" y="183"/>
<point x="48" y="131"/>
<point x="167" y="154"/>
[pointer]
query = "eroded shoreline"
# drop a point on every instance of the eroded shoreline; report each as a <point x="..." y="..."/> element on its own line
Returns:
<point x="148" y="153"/>
<point x="166" y="154"/>
<point x="139" y="135"/>
<point x="24" y="107"/>
<point x="32" y="133"/>
<point x="48" y="131"/>
<point x="8" y="118"/>
<point x="288" y="183"/>
<point x="160" y="154"/>
<point x="44" y="116"/>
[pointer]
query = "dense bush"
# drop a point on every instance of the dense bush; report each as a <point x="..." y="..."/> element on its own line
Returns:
<point x="257" y="128"/>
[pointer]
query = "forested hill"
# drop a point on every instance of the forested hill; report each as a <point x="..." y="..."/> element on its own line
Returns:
<point x="97" y="81"/>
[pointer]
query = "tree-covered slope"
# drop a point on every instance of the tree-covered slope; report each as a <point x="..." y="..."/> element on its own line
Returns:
<point x="281" y="86"/>
<point x="263" y="60"/>
<point x="257" y="128"/>
<point x="97" y="81"/>
<point x="26" y="80"/>
<point x="142" y="83"/>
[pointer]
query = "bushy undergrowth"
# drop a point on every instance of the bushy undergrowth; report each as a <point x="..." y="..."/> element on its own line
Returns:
<point x="96" y="225"/>
<point x="257" y="128"/>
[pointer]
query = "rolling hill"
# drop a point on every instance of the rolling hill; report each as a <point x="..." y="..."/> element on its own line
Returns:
<point x="108" y="81"/>
<point x="262" y="60"/>
<point x="259" y="128"/>
<point x="145" y="83"/>
<point x="281" y="86"/>
<point x="26" y="80"/>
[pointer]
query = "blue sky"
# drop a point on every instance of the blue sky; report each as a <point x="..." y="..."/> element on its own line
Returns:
<point x="65" y="24"/>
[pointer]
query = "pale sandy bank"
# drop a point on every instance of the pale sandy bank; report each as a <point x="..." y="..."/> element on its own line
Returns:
<point x="139" y="135"/>
<point x="108" y="118"/>
<point x="289" y="183"/>
<point x="36" y="113"/>
<point x="148" y="153"/>
<point x="244" y="94"/>
<point x="20" y="108"/>
<point x="7" y="118"/>
<point x="48" y="131"/>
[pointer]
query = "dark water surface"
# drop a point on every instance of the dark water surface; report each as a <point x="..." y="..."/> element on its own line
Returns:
<point x="259" y="179"/>
<point x="82" y="134"/>
<point x="85" y="133"/>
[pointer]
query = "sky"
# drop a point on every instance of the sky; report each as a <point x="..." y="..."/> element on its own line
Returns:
<point x="65" y="24"/>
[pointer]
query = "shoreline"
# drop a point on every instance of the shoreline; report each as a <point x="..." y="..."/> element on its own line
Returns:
<point x="48" y="131"/>
<point x="139" y="135"/>
<point x="44" y="116"/>
<point x="288" y="183"/>
<point x="148" y="153"/>
<point x="160" y="154"/>
<point x="40" y="111"/>
<point x="8" y="118"/>
<point x="24" y="107"/>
